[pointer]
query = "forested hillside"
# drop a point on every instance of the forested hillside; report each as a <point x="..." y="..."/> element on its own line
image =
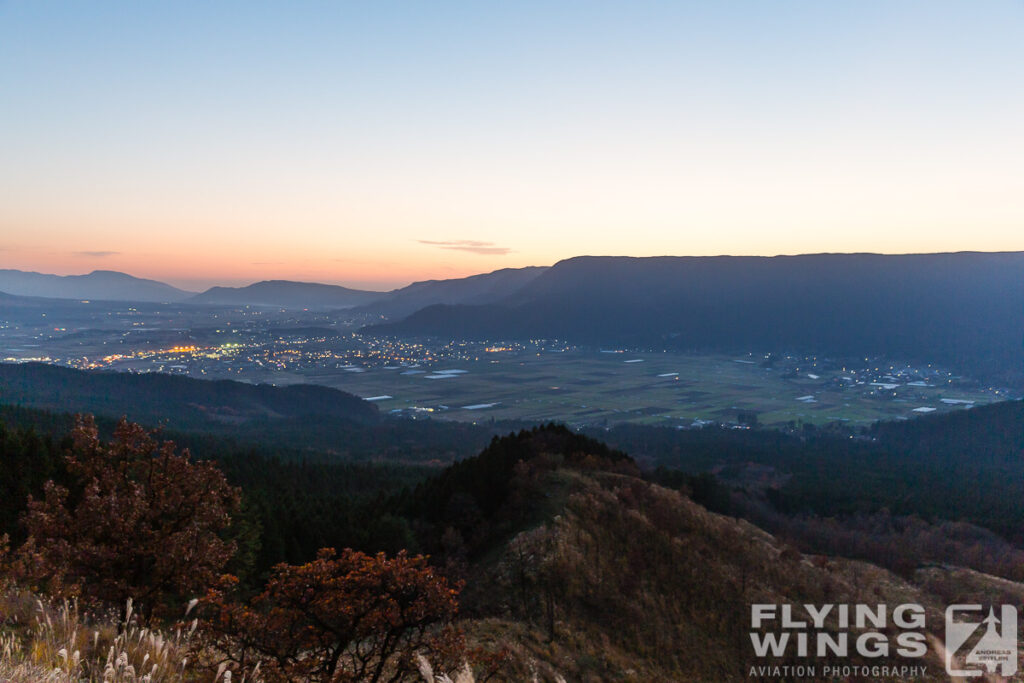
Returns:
<point x="299" y="417"/>
<point x="564" y="562"/>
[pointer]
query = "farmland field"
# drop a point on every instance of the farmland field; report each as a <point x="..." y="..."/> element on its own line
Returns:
<point x="595" y="388"/>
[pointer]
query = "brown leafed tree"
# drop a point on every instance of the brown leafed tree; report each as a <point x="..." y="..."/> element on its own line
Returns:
<point x="138" y="520"/>
<point x="348" y="617"/>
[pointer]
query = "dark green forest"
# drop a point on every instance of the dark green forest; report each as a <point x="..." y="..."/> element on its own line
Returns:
<point x="852" y="494"/>
<point x="310" y="418"/>
<point x="964" y="466"/>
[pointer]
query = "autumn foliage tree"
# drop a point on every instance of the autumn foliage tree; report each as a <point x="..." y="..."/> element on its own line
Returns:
<point x="340" y="618"/>
<point x="138" y="520"/>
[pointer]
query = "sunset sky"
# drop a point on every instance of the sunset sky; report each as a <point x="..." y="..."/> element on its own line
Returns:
<point x="375" y="143"/>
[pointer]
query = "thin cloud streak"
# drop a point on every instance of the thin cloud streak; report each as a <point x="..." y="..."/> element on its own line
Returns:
<point x="97" y="254"/>
<point x="472" y="246"/>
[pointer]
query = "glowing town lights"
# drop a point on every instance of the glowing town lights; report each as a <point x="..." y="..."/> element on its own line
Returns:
<point x="180" y="349"/>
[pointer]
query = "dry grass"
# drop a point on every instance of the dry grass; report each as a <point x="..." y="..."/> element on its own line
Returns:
<point x="464" y="675"/>
<point x="43" y="642"/>
<point x="59" y="643"/>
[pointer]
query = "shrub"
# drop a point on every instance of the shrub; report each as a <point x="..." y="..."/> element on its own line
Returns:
<point x="139" y="521"/>
<point x="342" y="617"/>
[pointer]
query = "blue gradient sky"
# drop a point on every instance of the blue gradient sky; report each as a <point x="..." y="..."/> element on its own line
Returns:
<point x="376" y="143"/>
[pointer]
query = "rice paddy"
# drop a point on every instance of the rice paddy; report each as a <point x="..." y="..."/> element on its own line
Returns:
<point x="580" y="387"/>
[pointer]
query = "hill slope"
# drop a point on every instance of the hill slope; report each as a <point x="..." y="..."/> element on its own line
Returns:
<point x="296" y="418"/>
<point x="475" y="289"/>
<point x="634" y="582"/>
<point x="177" y="401"/>
<point x="99" y="284"/>
<point x="964" y="309"/>
<point x="581" y="569"/>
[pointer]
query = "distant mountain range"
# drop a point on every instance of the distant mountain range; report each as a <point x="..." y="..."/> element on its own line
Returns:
<point x="286" y="294"/>
<point x="99" y="284"/>
<point x="965" y="309"/>
<point x="114" y="286"/>
<point x="475" y="289"/>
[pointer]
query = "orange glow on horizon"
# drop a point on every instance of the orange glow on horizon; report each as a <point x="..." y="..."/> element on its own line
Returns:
<point x="372" y="148"/>
<point x="201" y="271"/>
